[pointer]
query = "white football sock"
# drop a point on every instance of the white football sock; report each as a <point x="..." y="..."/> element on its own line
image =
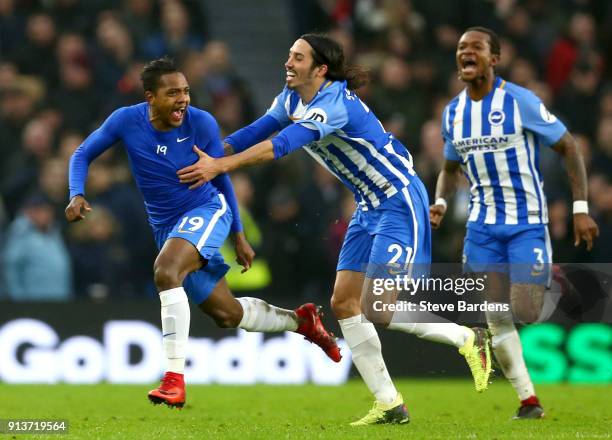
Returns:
<point x="445" y="333"/>
<point x="259" y="316"/>
<point x="175" y="316"/>
<point x="362" y="339"/>
<point x="509" y="352"/>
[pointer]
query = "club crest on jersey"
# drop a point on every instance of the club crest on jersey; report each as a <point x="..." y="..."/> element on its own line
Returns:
<point x="496" y="117"/>
<point x="316" y="114"/>
<point x="546" y="115"/>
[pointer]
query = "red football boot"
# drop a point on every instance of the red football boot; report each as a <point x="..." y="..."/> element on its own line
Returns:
<point x="171" y="391"/>
<point x="530" y="409"/>
<point x="310" y="325"/>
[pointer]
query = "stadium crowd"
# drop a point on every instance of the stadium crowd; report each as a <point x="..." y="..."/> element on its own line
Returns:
<point x="66" y="64"/>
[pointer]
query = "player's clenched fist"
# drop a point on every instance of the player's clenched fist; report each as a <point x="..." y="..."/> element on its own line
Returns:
<point x="436" y="214"/>
<point x="77" y="208"/>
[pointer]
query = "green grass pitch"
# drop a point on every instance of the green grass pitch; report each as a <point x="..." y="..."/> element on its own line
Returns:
<point x="441" y="409"/>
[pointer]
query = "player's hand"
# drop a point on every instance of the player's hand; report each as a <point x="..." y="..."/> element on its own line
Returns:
<point x="585" y="229"/>
<point x="204" y="170"/>
<point x="77" y="208"/>
<point x="436" y="214"/>
<point x="244" y="252"/>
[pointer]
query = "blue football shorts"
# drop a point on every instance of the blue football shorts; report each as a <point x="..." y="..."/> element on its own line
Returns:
<point x="523" y="251"/>
<point x="394" y="235"/>
<point x="206" y="227"/>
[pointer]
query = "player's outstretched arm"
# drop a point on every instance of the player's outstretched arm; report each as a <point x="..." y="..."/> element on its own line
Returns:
<point x="77" y="208"/>
<point x="585" y="227"/>
<point x="445" y="188"/>
<point x="207" y="168"/>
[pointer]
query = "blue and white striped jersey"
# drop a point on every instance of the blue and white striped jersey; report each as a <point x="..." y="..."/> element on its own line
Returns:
<point x="353" y="145"/>
<point x="497" y="141"/>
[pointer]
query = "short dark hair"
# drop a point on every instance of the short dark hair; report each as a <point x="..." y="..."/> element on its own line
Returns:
<point x="153" y="70"/>
<point x="329" y="52"/>
<point x="493" y="38"/>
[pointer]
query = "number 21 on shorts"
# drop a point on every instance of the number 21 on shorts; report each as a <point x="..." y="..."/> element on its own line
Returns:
<point x="398" y="253"/>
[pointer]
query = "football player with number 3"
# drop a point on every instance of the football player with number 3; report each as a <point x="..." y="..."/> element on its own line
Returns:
<point x="161" y="136"/>
<point x="493" y="131"/>
<point x="319" y="110"/>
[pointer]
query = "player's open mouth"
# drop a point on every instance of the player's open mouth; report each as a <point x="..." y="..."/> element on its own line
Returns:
<point x="468" y="65"/>
<point x="177" y="115"/>
<point x="290" y="75"/>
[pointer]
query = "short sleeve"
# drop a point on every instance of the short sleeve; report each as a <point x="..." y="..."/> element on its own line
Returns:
<point x="449" y="149"/>
<point x="537" y="119"/>
<point x="278" y="109"/>
<point x="326" y="114"/>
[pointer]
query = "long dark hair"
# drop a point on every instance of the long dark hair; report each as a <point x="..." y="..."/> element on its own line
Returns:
<point x="329" y="52"/>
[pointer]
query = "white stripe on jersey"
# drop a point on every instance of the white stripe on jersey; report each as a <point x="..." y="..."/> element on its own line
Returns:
<point x="379" y="157"/>
<point x="476" y="118"/>
<point x="505" y="182"/>
<point x="497" y="103"/>
<point x="458" y="122"/>
<point x="476" y="206"/>
<point x="362" y="164"/>
<point x="532" y="146"/>
<point x="358" y="183"/>
<point x="522" y="158"/>
<point x="407" y="163"/>
<point x="485" y="183"/>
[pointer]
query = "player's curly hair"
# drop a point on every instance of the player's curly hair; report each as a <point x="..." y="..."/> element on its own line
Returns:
<point x="329" y="52"/>
<point x="493" y="38"/>
<point x="153" y="70"/>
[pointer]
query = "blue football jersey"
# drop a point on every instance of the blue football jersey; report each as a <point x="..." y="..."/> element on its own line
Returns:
<point x="352" y="145"/>
<point x="155" y="157"/>
<point x="497" y="141"/>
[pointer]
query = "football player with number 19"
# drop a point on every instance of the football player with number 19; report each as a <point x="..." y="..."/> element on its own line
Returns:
<point x="319" y="110"/>
<point x="161" y="136"/>
<point x="493" y="131"/>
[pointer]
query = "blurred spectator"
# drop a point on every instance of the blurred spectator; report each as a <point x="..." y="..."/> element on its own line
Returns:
<point x="395" y="96"/>
<point x="19" y="97"/>
<point x="139" y="18"/>
<point x="36" y="56"/>
<point x="567" y="49"/>
<point x="602" y="158"/>
<point x="337" y="228"/>
<point x="321" y="198"/>
<point x="36" y="261"/>
<point x="11" y="28"/>
<point x="113" y="51"/>
<point x="99" y="260"/>
<point x="579" y="98"/>
<point x="128" y="229"/>
<point x="176" y="36"/>
<point x="77" y="98"/>
<point x="258" y="276"/>
<point x="24" y="165"/>
<point x="229" y="95"/>
<point x="283" y="245"/>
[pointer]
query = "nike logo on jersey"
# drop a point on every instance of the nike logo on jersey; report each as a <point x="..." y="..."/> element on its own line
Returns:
<point x="183" y="139"/>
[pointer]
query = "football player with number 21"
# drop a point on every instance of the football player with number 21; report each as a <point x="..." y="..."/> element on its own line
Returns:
<point x="161" y="136"/>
